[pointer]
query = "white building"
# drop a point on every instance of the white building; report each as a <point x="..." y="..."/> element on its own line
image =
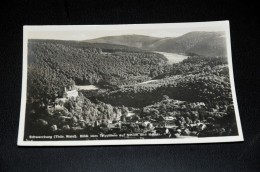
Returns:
<point x="70" y="93"/>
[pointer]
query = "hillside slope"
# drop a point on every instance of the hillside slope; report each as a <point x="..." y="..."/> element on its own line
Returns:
<point x="196" y="79"/>
<point x="200" y="43"/>
<point x="139" y="41"/>
<point x="53" y="63"/>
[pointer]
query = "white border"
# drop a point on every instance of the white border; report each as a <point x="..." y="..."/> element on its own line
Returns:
<point x="27" y="29"/>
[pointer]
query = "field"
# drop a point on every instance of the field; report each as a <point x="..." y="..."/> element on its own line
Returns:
<point x="86" y="87"/>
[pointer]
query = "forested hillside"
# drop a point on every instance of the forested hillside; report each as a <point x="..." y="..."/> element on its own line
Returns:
<point x="139" y="41"/>
<point x="137" y="91"/>
<point x="196" y="79"/>
<point x="54" y="64"/>
<point x="201" y="43"/>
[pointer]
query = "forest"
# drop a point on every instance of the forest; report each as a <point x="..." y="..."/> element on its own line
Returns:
<point x="195" y="79"/>
<point x="189" y="98"/>
<point x="53" y="64"/>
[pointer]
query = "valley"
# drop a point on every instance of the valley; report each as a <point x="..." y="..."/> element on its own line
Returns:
<point x="130" y="85"/>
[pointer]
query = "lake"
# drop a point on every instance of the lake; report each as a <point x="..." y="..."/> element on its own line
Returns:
<point x="173" y="57"/>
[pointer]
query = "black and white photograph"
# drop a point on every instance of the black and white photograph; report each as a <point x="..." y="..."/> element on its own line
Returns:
<point x="131" y="84"/>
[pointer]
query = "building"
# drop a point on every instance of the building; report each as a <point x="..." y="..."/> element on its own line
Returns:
<point x="70" y="93"/>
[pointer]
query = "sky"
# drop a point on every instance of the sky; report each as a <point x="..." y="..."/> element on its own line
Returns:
<point x="95" y="31"/>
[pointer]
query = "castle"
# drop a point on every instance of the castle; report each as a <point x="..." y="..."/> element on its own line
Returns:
<point x="71" y="92"/>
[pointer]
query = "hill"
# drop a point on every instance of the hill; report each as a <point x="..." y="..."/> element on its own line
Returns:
<point x="200" y="43"/>
<point x="54" y="64"/>
<point x="139" y="41"/>
<point x="196" y="79"/>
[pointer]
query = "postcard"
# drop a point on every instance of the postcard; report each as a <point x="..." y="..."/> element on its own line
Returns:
<point x="132" y="84"/>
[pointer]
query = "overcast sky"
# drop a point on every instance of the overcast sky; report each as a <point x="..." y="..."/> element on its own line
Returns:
<point x="91" y="32"/>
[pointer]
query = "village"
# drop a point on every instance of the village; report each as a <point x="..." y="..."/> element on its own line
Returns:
<point x="131" y="126"/>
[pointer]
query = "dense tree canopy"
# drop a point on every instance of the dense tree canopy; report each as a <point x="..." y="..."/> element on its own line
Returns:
<point x="200" y="79"/>
<point x="53" y="63"/>
<point x="137" y="91"/>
